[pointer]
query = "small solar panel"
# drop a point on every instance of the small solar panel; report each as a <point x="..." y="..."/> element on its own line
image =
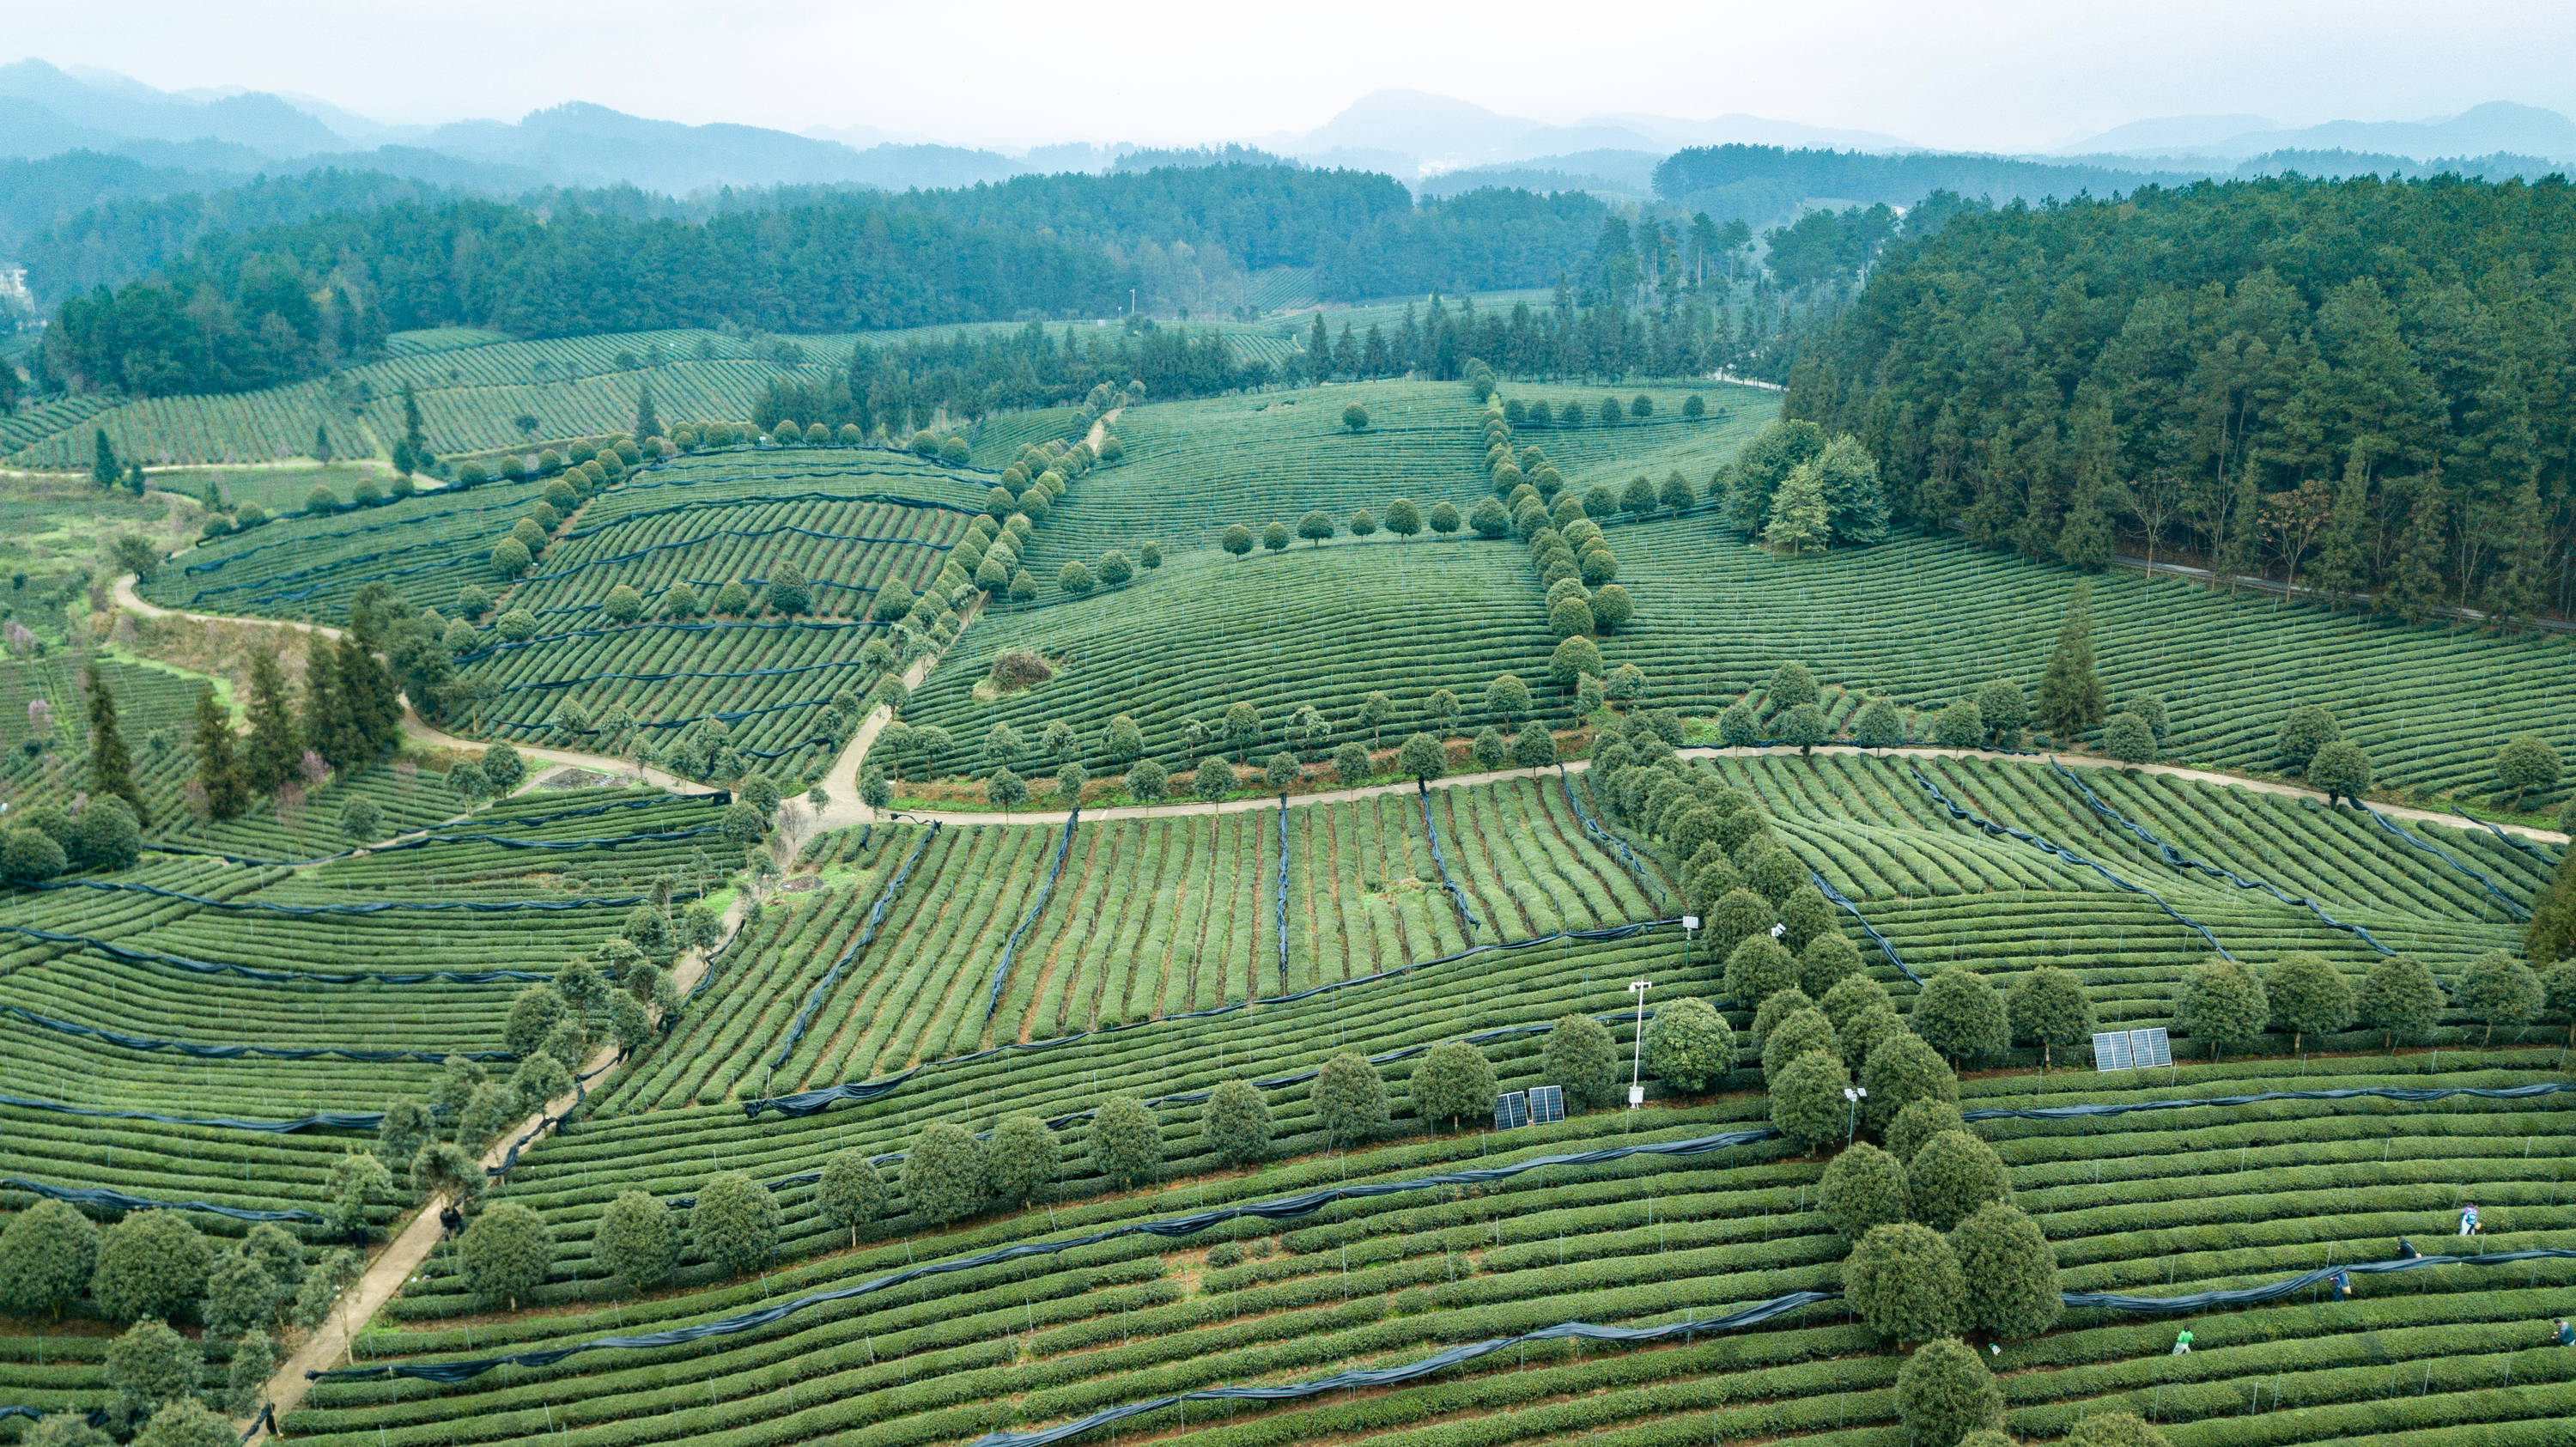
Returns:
<point x="1511" y="1110"/>
<point x="1546" y="1104"/>
<point x="2132" y="1049"/>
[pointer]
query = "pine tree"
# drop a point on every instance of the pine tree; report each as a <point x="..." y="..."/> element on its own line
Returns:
<point x="2343" y="553"/>
<point x="415" y="446"/>
<point x="111" y="764"/>
<point x="369" y="701"/>
<point x="275" y="746"/>
<point x="326" y="707"/>
<point x="647" y="424"/>
<point x="321" y="443"/>
<point x="2070" y="695"/>
<point x="2414" y="586"/>
<point x="104" y="469"/>
<point x="219" y="771"/>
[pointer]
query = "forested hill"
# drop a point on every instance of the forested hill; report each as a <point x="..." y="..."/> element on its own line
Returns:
<point x="255" y="307"/>
<point x="2372" y="383"/>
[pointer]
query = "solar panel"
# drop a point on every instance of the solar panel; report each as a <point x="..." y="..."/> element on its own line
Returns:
<point x="2132" y="1049"/>
<point x="1546" y="1104"/>
<point x="1511" y="1110"/>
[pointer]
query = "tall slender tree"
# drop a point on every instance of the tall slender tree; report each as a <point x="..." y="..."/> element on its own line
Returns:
<point x="647" y="423"/>
<point x="275" y="744"/>
<point x="2070" y="694"/>
<point x="219" y="769"/>
<point x="111" y="763"/>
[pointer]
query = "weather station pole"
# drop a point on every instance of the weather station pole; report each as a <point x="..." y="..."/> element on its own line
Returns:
<point x="1853" y="1095"/>
<point x="1637" y="1056"/>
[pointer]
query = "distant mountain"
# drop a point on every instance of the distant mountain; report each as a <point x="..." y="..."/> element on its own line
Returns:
<point x="1411" y="132"/>
<point x="2498" y="126"/>
<point x="128" y="110"/>
<point x="580" y="144"/>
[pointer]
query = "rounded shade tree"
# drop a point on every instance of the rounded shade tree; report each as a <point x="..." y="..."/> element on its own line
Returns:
<point x="1689" y="1045"/>
<point x="2011" y="1272"/>
<point x="1953" y="1174"/>
<point x="735" y="1223"/>
<point x="1581" y="1057"/>
<point x="1904" y="1280"/>
<point x="1454" y="1082"/>
<point x="505" y="1253"/>
<point x="1125" y="1142"/>
<point x="1350" y="1100"/>
<point x="1944" y="1392"/>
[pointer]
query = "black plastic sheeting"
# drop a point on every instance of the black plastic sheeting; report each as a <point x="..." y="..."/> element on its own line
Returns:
<point x="1046" y="891"/>
<point x="106" y="1200"/>
<point x="1283" y="1209"/>
<point x="580" y="1097"/>
<point x="423" y="841"/>
<point x="1835" y="897"/>
<point x="2509" y="837"/>
<point x="118" y="952"/>
<point x="380" y="906"/>
<point x="859" y="1092"/>
<point x="547" y="684"/>
<point x="866" y="937"/>
<point x="1457" y="896"/>
<point x="713" y="625"/>
<point x="2391" y="826"/>
<point x="1283" y="894"/>
<point x="1611" y="841"/>
<point x="1359" y="1377"/>
<point x="1306" y="1203"/>
<point x="2179" y="860"/>
<point x="196" y="1051"/>
<point x="1755" y="1314"/>
<point x="2413" y="1095"/>
<point x="2007" y="831"/>
<point x="331" y="1120"/>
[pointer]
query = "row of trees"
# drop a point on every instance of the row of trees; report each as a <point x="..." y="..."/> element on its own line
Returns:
<point x="104" y="829"/>
<point x="348" y="716"/>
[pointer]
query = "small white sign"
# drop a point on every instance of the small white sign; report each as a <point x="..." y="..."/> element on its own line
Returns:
<point x="1636" y="1096"/>
<point x="1690" y="921"/>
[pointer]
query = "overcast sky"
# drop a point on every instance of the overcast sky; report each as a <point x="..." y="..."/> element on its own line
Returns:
<point x="2003" y="74"/>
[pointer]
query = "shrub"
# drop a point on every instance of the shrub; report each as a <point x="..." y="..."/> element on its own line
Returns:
<point x="509" y="558"/>
<point x="1689" y="1045"/>
<point x="47" y="1254"/>
<point x="2497" y="990"/>
<point x="1534" y="747"/>
<point x="1422" y="757"/>
<point x="2528" y="765"/>
<point x="1879" y="726"/>
<point x="2221" y="1004"/>
<point x="1951" y="1175"/>
<point x="1350" y="1100"/>
<point x="241" y="1295"/>
<point x="1807" y="1103"/>
<point x="1944" y="1392"/>
<point x="149" y="1367"/>
<point x="944" y="1174"/>
<point x="1739" y="917"/>
<point x="1862" y="1189"/>
<point x="1126" y="1143"/>
<point x="1903" y="1279"/>
<point x="1802" y="1031"/>
<point x="2304" y="730"/>
<point x="1574" y="659"/>
<point x="1023" y="1158"/>
<point x="2341" y="770"/>
<point x="635" y="1242"/>
<point x="1454" y="1082"/>
<point x="1756" y="968"/>
<point x="1959" y="726"/>
<point x="2005" y="711"/>
<point x="1900" y="1072"/>
<point x="1962" y="1015"/>
<point x="851" y="1195"/>
<point x="1236" y="1123"/>
<point x="29" y="855"/>
<point x="2114" y="1429"/>
<point x="1213" y="780"/>
<point x="2011" y="1273"/>
<point x="1739" y="727"/>
<point x="2309" y="996"/>
<point x="1791" y="685"/>
<point x="505" y="1253"/>
<point x="1918" y="1122"/>
<point x="2128" y="738"/>
<point x="151" y="1264"/>
<point x="1580" y="1057"/>
<point x="2049" y="1008"/>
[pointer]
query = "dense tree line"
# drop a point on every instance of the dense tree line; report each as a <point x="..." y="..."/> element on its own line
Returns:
<point x="1757" y="183"/>
<point x="2366" y="387"/>
<point x="110" y="242"/>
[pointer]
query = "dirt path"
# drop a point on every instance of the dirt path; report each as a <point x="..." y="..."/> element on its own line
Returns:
<point x="1453" y="781"/>
<point x="412" y="1244"/>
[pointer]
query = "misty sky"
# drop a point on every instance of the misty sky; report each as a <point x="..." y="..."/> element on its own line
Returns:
<point x="2004" y="74"/>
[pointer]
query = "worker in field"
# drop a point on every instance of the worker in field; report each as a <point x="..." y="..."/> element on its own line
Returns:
<point x="2469" y="1219"/>
<point x="2342" y="1284"/>
<point x="2182" y="1342"/>
<point x="2563" y="1334"/>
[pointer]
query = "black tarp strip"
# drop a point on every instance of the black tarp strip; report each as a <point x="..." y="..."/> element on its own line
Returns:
<point x="2176" y="859"/>
<point x="2508" y="836"/>
<point x="194" y="1050"/>
<point x="1834" y="896"/>
<point x="1609" y="840"/>
<point x="107" y="1200"/>
<point x="2447" y="857"/>
<point x="2006" y="831"/>
<point x="1011" y="947"/>
<point x="1457" y="896"/>
<point x="866" y="937"/>
<point x="335" y="1120"/>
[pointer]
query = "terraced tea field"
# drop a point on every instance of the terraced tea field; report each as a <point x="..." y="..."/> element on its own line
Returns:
<point x="1147" y="919"/>
<point x="1926" y="621"/>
